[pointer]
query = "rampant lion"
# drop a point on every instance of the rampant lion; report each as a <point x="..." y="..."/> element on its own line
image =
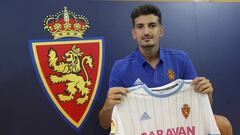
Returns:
<point x="70" y="69"/>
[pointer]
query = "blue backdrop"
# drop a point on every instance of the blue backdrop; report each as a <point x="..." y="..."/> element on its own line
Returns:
<point x="208" y="32"/>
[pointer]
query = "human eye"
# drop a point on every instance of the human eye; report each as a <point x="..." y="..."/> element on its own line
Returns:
<point x="152" y="25"/>
<point x="139" y="26"/>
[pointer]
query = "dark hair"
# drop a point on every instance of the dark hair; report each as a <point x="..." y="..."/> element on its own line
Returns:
<point x="146" y="10"/>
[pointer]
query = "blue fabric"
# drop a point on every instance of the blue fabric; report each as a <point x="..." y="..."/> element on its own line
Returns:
<point x="127" y="70"/>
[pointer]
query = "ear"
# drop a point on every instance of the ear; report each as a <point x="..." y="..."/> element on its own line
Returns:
<point x="133" y="34"/>
<point x="161" y="31"/>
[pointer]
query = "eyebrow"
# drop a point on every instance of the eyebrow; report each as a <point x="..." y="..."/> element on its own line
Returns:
<point x="147" y="24"/>
<point x="153" y="23"/>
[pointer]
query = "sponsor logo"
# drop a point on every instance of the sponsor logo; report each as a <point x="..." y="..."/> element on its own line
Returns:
<point x="145" y="116"/>
<point x="138" y="82"/>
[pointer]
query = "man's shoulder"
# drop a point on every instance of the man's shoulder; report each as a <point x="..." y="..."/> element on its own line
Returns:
<point x="170" y="51"/>
<point x="126" y="60"/>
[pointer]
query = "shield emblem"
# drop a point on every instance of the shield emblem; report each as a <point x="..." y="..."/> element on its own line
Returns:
<point x="185" y="111"/>
<point x="70" y="73"/>
<point x="171" y="74"/>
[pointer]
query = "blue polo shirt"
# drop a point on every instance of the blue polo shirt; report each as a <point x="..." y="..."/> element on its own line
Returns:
<point x="172" y="65"/>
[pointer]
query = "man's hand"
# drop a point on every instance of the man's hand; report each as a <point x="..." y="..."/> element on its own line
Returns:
<point x="114" y="97"/>
<point x="203" y="85"/>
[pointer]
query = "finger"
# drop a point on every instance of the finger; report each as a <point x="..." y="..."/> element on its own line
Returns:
<point x="203" y="83"/>
<point x="117" y="97"/>
<point x="207" y="91"/>
<point x="118" y="90"/>
<point x="205" y="88"/>
<point x="113" y="99"/>
<point x="124" y="91"/>
<point x="115" y="102"/>
<point x="197" y="80"/>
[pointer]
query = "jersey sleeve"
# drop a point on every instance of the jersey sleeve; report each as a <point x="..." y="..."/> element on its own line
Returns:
<point x="209" y="120"/>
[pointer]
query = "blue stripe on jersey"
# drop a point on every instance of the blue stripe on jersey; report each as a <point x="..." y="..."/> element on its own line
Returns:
<point x="161" y="94"/>
<point x="164" y="94"/>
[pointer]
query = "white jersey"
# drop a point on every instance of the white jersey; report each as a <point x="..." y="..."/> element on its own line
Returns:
<point x="173" y="109"/>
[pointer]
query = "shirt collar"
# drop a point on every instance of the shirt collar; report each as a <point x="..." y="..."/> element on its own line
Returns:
<point x="162" y="55"/>
<point x="141" y="59"/>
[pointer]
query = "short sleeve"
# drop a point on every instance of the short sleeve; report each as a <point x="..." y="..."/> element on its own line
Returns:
<point x="114" y="79"/>
<point x="189" y="70"/>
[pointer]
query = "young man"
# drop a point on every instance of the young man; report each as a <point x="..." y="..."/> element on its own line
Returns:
<point x="152" y="65"/>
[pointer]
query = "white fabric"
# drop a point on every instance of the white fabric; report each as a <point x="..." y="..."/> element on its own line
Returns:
<point x="158" y="111"/>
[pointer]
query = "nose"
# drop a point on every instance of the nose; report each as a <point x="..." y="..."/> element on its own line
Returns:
<point x="146" y="31"/>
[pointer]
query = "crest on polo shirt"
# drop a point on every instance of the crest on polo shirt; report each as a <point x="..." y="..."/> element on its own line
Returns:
<point x="69" y="67"/>
<point x="171" y="74"/>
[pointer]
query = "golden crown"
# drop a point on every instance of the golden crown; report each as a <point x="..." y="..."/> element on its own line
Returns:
<point x="66" y="24"/>
<point x="77" y="50"/>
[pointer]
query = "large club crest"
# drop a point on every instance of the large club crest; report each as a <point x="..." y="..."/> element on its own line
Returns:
<point x="69" y="69"/>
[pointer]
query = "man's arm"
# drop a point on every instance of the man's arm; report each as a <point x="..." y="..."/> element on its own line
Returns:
<point x="114" y="97"/>
<point x="203" y="85"/>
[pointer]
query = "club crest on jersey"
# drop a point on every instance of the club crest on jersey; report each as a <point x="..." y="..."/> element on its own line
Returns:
<point x="185" y="111"/>
<point x="113" y="126"/>
<point x="171" y="74"/>
<point x="69" y="69"/>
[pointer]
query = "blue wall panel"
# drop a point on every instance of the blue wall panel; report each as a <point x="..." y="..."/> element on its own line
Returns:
<point x="208" y="32"/>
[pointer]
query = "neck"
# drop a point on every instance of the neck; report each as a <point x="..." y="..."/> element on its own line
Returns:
<point x="150" y="55"/>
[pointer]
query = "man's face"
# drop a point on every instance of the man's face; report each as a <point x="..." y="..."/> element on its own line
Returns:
<point x="147" y="31"/>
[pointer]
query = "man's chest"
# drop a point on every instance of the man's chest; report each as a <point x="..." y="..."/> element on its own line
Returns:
<point x="151" y="77"/>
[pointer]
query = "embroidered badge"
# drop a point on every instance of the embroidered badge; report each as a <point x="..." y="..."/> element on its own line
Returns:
<point x="185" y="111"/>
<point x="171" y="74"/>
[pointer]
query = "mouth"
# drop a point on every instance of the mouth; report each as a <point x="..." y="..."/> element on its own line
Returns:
<point x="148" y="46"/>
<point x="147" y="39"/>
